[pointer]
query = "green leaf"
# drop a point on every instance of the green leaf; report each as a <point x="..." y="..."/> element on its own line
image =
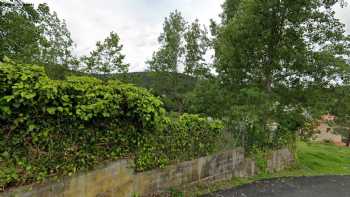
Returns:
<point x="51" y="110"/>
<point x="6" y="110"/>
<point x="32" y="127"/>
<point x="8" y="98"/>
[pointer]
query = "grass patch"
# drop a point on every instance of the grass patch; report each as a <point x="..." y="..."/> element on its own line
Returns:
<point x="313" y="159"/>
<point x="323" y="159"/>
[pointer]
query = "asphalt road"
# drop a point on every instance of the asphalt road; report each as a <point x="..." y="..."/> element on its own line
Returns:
<point x="326" y="186"/>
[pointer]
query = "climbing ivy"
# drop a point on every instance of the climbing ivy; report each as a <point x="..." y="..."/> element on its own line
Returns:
<point x="52" y="128"/>
<point x="184" y="138"/>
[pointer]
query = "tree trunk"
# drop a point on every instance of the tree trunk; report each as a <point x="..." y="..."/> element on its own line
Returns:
<point x="269" y="84"/>
<point x="348" y="141"/>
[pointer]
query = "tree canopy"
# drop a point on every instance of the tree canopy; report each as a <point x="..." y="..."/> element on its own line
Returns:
<point x="277" y="60"/>
<point x="230" y="8"/>
<point x="107" y="58"/>
<point x="57" y="45"/>
<point x="196" y="47"/>
<point x="19" y="35"/>
<point x="285" y="43"/>
<point x="168" y="57"/>
<point x="34" y="35"/>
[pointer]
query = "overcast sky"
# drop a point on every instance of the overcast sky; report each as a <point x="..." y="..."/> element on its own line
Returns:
<point x="138" y="22"/>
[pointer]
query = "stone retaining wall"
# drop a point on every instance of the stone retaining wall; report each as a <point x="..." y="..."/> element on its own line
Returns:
<point x="119" y="179"/>
<point x="278" y="160"/>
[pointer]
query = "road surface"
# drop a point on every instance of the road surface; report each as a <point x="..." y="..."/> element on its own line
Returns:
<point x="326" y="186"/>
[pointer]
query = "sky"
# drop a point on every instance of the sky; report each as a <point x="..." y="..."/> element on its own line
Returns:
<point x="137" y="22"/>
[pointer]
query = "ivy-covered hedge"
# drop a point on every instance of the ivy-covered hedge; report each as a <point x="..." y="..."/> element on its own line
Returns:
<point x="184" y="138"/>
<point x="53" y="128"/>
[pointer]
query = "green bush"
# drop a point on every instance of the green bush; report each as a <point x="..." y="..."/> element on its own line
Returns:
<point x="184" y="138"/>
<point x="53" y="128"/>
<point x="253" y="119"/>
<point x="57" y="127"/>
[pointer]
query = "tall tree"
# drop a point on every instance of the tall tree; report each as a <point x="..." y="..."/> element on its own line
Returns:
<point x="230" y="8"/>
<point x="166" y="61"/>
<point x="19" y="35"/>
<point x="282" y="53"/>
<point x="33" y="35"/>
<point x="282" y="43"/>
<point x="56" y="45"/>
<point x="168" y="57"/>
<point x="196" y="47"/>
<point x="107" y="58"/>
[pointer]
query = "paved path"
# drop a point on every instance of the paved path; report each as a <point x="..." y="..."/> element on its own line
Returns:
<point x="327" y="186"/>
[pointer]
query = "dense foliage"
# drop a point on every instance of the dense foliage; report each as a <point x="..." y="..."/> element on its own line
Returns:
<point x="52" y="128"/>
<point x="168" y="57"/>
<point x="196" y="47"/>
<point x="341" y="109"/>
<point x="34" y="35"/>
<point x="254" y="121"/>
<point x="276" y="62"/>
<point x="278" y="65"/>
<point x="184" y="138"/>
<point x="107" y="58"/>
<point x="161" y="84"/>
<point x="19" y="35"/>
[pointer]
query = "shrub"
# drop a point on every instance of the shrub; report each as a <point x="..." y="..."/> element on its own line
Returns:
<point x="57" y="127"/>
<point x="252" y="117"/>
<point x="184" y="138"/>
<point x="54" y="128"/>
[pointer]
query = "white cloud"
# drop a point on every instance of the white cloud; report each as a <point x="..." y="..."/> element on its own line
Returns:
<point x="138" y="22"/>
